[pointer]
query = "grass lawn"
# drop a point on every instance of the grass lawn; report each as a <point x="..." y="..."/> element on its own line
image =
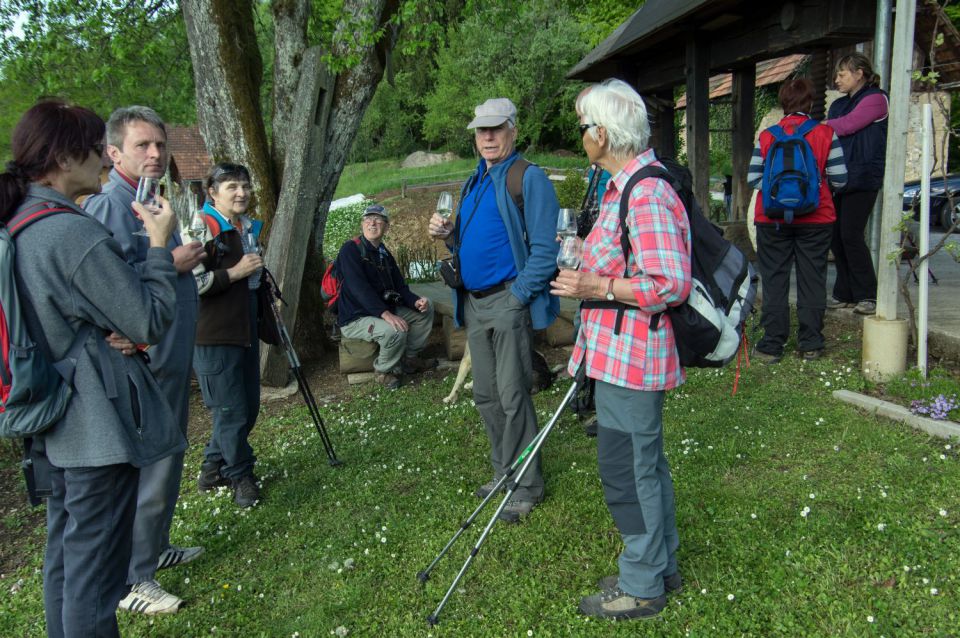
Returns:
<point x="371" y="178"/>
<point x="798" y="516"/>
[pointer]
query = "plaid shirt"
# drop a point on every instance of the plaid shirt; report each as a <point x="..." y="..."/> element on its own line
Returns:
<point x="637" y="358"/>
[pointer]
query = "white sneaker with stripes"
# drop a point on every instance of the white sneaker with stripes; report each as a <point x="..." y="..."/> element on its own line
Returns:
<point x="150" y="598"/>
<point x="173" y="556"/>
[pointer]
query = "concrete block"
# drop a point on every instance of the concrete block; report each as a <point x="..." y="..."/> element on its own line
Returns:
<point x="454" y="339"/>
<point x="357" y="355"/>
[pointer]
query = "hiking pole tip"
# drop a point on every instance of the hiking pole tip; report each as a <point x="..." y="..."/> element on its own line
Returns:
<point x="335" y="462"/>
<point x="432" y="620"/>
<point x="423" y="576"/>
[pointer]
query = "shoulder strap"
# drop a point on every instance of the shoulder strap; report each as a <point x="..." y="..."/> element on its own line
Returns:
<point x="33" y="214"/>
<point x="515" y="182"/>
<point x="806" y="127"/>
<point x="777" y="132"/>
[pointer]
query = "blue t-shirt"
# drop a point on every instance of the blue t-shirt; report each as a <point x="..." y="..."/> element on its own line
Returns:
<point x="486" y="258"/>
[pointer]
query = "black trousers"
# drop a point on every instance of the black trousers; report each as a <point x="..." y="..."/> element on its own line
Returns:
<point x="856" y="278"/>
<point x="779" y="247"/>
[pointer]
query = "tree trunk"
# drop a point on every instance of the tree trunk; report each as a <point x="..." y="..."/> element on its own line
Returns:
<point x="290" y="19"/>
<point x="228" y="73"/>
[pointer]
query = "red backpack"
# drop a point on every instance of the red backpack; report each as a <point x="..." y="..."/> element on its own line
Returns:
<point x="332" y="281"/>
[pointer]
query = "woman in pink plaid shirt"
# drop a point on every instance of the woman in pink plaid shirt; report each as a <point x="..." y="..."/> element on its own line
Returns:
<point x="633" y="364"/>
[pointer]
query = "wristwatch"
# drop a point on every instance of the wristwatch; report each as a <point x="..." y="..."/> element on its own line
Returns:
<point x="609" y="296"/>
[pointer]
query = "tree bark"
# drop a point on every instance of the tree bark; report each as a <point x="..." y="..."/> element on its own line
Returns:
<point x="290" y="19"/>
<point x="228" y="73"/>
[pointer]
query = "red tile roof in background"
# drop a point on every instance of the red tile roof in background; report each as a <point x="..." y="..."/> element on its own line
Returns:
<point x="768" y="72"/>
<point x="188" y="153"/>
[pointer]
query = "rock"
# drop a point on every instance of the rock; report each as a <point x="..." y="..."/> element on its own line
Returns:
<point x="418" y="159"/>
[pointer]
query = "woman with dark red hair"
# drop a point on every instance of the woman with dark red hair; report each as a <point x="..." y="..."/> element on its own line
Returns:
<point x="802" y="240"/>
<point x="77" y="291"/>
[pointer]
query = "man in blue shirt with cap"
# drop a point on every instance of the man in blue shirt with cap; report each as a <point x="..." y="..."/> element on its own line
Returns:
<point x="507" y="253"/>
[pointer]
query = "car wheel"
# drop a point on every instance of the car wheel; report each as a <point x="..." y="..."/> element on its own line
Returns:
<point x="949" y="215"/>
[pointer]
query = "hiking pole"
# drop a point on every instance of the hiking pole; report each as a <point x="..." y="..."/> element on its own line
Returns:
<point x="527" y="456"/>
<point x="424" y="575"/>
<point x="294" y="362"/>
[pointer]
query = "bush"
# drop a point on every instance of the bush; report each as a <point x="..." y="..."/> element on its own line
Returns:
<point x="342" y="224"/>
<point x="571" y="190"/>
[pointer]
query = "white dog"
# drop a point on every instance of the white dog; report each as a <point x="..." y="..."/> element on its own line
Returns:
<point x="542" y="375"/>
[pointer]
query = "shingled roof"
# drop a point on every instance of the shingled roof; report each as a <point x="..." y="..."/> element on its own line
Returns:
<point x="189" y="160"/>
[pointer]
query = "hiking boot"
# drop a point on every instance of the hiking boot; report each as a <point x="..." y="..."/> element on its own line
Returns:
<point x="590" y="426"/>
<point x="619" y="605"/>
<point x="173" y="556"/>
<point x="866" y="307"/>
<point x="210" y="477"/>
<point x="766" y="357"/>
<point x="150" y="598"/>
<point x="516" y="510"/>
<point x="413" y="365"/>
<point x="836" y="304"/>
<point x="245" y="491"/>
<point x="387" y="380"/>
<point x="811" y="355"/>
<point x="484" y="490"/>
<point x="671" y="584"/>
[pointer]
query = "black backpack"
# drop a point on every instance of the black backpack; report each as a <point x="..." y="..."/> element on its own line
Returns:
<point x="709" y="324"/>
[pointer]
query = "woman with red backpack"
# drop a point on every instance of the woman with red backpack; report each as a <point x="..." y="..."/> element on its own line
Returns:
<point x="801" y="236"/>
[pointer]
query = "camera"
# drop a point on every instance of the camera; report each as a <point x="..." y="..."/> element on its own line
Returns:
<point x="392" y="297"/>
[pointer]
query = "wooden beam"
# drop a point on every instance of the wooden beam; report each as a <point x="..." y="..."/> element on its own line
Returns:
<point x="819" y="74"/>
<point x="663" y="135"/>
<point x="286" y="253"/>
<point x="744" y="83"/>
<point x="698" y="116"/>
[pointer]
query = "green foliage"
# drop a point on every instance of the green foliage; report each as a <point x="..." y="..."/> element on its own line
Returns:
<point x="911" y="386"/>
<point x="391" y="125"/>
<point x="100" y="55"/>
<point x="571" y="190"/>
<point x="519" y="51"/>
<point x="342" y="224"/>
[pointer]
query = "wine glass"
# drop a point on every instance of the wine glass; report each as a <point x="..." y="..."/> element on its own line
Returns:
<point x="193" y="226"/>
<point x="445" y="205"/>
<point x="148" y="192"/>
<point x="569" y="256"/>
<point x="567" y="223"/>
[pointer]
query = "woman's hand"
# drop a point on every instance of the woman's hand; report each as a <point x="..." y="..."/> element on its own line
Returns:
<point x="158" y="221"/>
<point x="247" y="265"/>
<point x="577" y="284"/>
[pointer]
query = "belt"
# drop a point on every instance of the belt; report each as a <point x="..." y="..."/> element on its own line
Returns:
<point x="486" y="292"/>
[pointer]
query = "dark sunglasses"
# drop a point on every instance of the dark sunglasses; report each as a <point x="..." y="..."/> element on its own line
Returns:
<point x="585" y="127"/>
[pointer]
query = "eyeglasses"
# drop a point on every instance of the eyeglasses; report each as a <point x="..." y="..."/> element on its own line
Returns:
<point x="585" y="127"/>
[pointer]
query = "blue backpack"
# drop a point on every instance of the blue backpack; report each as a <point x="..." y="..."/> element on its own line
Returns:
<point x="791" y="178"/>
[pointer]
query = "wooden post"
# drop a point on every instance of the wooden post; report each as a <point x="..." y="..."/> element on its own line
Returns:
<point x="697" y="67"/>
<point x="744" y="83"/>
<point x="819" y="75"/>
<point x="298" y="201"/>
<point x="663" y="134"/>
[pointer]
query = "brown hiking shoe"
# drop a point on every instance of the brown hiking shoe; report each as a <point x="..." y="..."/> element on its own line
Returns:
<point x="616" y="604"/>
<point x="671" y="584"/>
<point x="387" y="380"/>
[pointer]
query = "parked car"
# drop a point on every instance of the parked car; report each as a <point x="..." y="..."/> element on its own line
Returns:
<point x="944" y="200"/>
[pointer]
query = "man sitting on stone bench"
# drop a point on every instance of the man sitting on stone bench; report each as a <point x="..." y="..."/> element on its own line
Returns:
<point x="376" y="304"/>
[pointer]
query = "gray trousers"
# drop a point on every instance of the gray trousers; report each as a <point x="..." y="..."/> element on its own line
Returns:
<point x="394" y="345"/>
<point x="500" y="338"/>
<point x="159" y="488"/>
<point x="637" y="485"/>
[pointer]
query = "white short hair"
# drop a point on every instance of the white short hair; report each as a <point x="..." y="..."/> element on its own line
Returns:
<point x="614" y="105"/>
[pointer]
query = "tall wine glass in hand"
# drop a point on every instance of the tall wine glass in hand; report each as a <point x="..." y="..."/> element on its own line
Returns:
<point x="193" y="226"/>
<point x="148" y="191"/>
<point x="569" y="256"/>
<point x="567" y="223"/>
<point x="445" y="205"/>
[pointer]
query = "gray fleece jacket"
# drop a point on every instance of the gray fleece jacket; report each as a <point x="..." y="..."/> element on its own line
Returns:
<point x="73" y="273"/>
